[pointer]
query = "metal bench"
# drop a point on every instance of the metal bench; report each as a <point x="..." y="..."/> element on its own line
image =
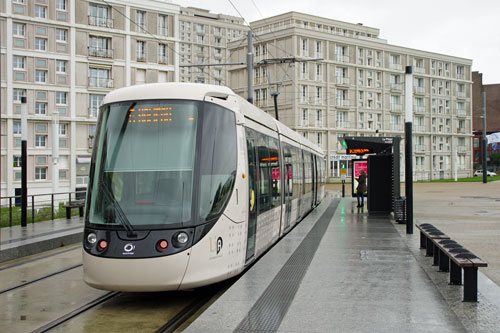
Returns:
<point x="74" y="204"/>
<point x="452" y="257"/>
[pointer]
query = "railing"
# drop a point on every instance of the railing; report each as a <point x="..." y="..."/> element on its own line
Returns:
<point x="162" y="60"/>
<point x="396" y="86"/>
<point x="461" y="113"/>
<point x="396" y="107"/>
<point x="419" y="90"/>
<point x="462" y="149"/>
<point x="419" y="108"/>
<point x="40" y="207"/>
<point x="396" y="127"/>
<point x="95" y="82"/>
<point x="419" y="148"/>
<point x="100" y="52"/>
<point x="100" y="22"/>
<point x="398" y="67"/>
<point x="419" y="128"/>
<point x="419" y="70"/>
<point x="342" y="124"/>
<point x="342" y="80"/>
<point x="341" y="57"/>
<point x="461" y="94"/>
<point x="342" y="103"/>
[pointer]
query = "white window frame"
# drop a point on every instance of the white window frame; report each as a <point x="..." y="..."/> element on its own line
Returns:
<point x="39" y="42"/>
<point x="18" y="29"/>
<point x="19" y="62"/>
<point x="41" y="76"/>
<point x="61" y="98"/>
<point x="40" y="11"/>
<point x="61" y="33"/>
<point x="41" y="108"/>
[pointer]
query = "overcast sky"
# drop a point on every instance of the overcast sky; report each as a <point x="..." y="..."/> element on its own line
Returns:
<point x="462" y="28"/>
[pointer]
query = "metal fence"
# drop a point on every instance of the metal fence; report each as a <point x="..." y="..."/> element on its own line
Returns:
<point x="41" y="206"/>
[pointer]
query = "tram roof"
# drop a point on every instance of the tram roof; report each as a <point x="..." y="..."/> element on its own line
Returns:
<point x="167" y="90"/>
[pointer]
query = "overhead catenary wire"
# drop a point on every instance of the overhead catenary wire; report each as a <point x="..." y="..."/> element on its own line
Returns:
<point x="165" y="42"/>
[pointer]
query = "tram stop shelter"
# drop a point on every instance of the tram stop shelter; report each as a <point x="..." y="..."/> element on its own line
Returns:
<point x="383" y="156"/>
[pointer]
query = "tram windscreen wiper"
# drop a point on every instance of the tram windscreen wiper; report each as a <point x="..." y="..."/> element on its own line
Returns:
<point x="119" y="212"/>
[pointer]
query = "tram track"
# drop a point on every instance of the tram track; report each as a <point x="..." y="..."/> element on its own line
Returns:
<point x="73" y="248"/>
<point x="61" y="320"/>
<point x="39" y="279"/>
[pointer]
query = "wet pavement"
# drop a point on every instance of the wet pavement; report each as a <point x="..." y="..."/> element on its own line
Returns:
<point x="364" y="274"/>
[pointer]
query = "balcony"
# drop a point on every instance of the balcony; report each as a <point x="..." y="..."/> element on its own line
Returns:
<point x="397" y="67"/>
<point x="95" y="82"/>
<point x="342" y="80"/>
<point x="419" y="70"/>
<point x="342" y="103"/>
<point x="100" y="22"/>
<point x="461" y="76"/>
<point x="461" y="149"/>
<point x="419" y="90"/>
<point x="461" y="94"/>
<point x="419" y="128"/>
<point x="396" y="86"/>
<point x="461" y="130"/>
<point x="318" y="100"/>
<point x="93" y="112"/>
<point x="341" y="57"/>
<point x="396" y="107"/>
<point x="162" y="31"/>
<point x="100" y="52"/>
<point x="396" y="127"/>
<point x="461" y="113"/>
<point x="419" y="108"/>
<point x="162" y="59"/>
<point x="141" y="57"/>
<point x="419" y="148"/>
<point x="342" y="124"/>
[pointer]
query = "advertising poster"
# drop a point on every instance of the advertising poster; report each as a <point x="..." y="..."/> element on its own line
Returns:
<point x="357" y="166"/>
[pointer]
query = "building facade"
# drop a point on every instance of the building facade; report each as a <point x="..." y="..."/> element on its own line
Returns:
<point x="349" y="82"/>
<point x="66" y="55"/>
<point x="203" y="40"/>
<point x="492" y="116"/>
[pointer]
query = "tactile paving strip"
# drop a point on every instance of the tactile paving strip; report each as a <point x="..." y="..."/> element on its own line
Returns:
<point x="272" y="306"/>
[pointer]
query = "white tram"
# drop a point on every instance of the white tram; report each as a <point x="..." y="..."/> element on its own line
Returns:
<point x="189" y="183"/>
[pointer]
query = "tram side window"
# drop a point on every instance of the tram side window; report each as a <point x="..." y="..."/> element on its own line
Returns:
<point x="308" y="172"/>
<point x="288" y="170"/>
<point x="265" y="198"/>
<point x="297" y="172"/>
<point x="274" y="166"/>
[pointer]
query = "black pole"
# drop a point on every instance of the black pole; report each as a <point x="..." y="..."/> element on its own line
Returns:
<point x="24" y="173"/>
<point x="408" y="150"/>
<point x="275" y="97"/>
<point x="343" y="188"/>
<point x="485" y="142"/>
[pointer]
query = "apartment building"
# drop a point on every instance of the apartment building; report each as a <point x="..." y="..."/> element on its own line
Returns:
<point x="203" y="40"/>
<point x="350" y="82"/>
<point x="492" y="92"/>
<point x="64" y="56"/>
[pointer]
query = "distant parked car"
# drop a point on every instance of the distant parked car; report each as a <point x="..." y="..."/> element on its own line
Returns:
<point x="480" y="173"/>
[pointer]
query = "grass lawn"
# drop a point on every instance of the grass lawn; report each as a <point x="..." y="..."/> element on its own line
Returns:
<point x="41" y="214"/>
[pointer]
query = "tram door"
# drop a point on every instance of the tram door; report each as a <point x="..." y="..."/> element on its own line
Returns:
<point x="252" y="194"/>
<point x="287" y="177"/>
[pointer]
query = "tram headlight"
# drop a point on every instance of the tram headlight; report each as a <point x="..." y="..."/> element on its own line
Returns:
<point x="182" y="238"/>
<point x="91" y="238"/>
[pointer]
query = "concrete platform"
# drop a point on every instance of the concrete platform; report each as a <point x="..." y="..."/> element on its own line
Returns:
<point x="17" y="242"/>
<point x="349" y="272"/>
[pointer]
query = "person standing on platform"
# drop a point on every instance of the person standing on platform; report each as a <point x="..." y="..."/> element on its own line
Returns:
<point x="361" y="189"/>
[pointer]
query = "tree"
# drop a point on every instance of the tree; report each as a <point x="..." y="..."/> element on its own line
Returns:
<point x="495" y="159"/>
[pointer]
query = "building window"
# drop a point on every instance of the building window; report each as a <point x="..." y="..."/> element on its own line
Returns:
<point x="100" y="16"/>
<point x="61" y="5"/>
<point x="40" y="141"/>
<point x="16" y="161"/>
<point x="61" y="35"/>
<point x="140" y="48"/>
<point x="40" y="44"/>
<point x="19" y="62"/>
<point x="17" y="94"/>
<point x="16" y="129"/>
<point x="61" y="98"/>
<point x="40" y="76"/>
<point x="100" y="77"/>
<point x="40" y="173"/>
<point x="162" y="25"/>
<point x="63" y="129"/>
<point x="140" y="21"/>
<point x="40" y="108"/>
<point x="18" y="29"/>
<point x="61" y="66"/>
<point x="162" y="54"/>
<point x="95" y="101"/>
<point x="40" y="11"/>
<point x="305" y="117"/>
